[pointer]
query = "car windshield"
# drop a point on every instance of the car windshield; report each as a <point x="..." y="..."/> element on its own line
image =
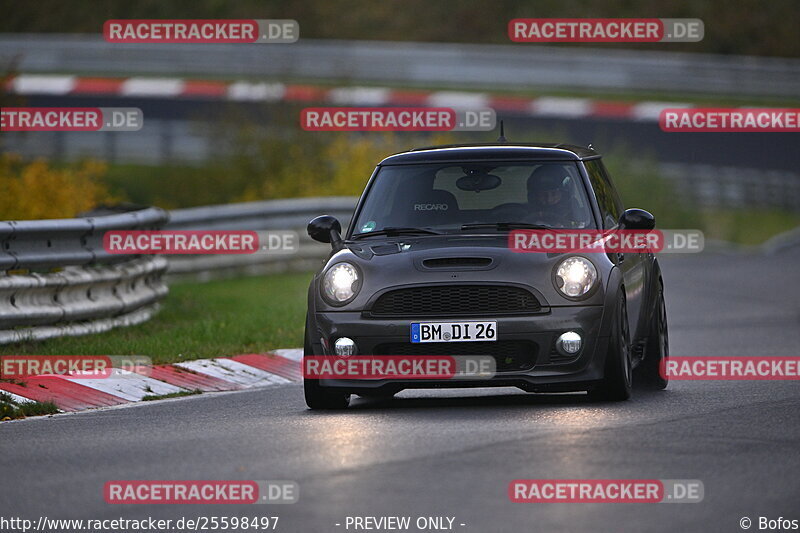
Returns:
<point x="466" y="197"/>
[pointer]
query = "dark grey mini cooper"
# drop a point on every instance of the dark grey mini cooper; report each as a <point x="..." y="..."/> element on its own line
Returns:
<point x="427" y="257"/>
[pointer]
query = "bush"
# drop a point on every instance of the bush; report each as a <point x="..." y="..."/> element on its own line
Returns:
<point x="37" y="190"/>
<point x="286" y="162"/>
<point x="309" y="165"/>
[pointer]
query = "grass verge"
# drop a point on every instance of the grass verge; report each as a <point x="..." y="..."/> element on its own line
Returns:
<point x="152" y="397"/>
<point x="11" y="410"/>
<point x="748" y="227"/>
<point x="248" y="315"/>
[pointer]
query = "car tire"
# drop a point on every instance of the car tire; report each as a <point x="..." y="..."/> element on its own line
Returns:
<point x="648" y="373"/>
<point x="317" y="396"/>
<point x="617" y="380"/>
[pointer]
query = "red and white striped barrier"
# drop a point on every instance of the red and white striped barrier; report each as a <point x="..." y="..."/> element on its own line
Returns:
<point x="75" y="393"/>
<point x="245" y="91"/>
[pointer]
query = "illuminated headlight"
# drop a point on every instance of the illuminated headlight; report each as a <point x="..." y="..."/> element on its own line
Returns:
<point x="575" y="277"/>
<point x="341" y="283"/>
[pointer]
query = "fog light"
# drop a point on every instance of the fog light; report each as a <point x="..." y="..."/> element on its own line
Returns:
<point x="344" y="347"/>
<point x="568" y="343"/>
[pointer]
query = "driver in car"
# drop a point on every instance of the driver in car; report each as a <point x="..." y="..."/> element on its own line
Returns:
<point x="549" y="197"/>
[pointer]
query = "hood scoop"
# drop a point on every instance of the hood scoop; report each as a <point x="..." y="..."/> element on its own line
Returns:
<point x="385" y="249"/>
<point x="457" y="263"/>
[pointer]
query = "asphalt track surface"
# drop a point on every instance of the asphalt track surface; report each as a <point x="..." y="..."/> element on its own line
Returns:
<point x="454" y="453"/>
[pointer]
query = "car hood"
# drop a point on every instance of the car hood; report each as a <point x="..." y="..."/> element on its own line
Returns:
<point x="455" y="259"/>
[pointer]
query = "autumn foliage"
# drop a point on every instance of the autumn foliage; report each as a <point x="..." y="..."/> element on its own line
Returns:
<point x="36" y="190"/>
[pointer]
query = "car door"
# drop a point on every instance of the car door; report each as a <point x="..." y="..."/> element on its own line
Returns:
<point x="631" y="264"/>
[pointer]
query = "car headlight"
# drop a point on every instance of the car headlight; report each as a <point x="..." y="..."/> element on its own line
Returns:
<point x="575" y="277"/>
<point x="341" y="283"/>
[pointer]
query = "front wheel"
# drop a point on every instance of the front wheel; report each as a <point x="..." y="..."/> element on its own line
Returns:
<point x="616" y="384"/>
<point x="648" y="374"/>
<point x="317" y="396"/>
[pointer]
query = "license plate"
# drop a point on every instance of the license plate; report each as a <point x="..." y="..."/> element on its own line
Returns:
<point x="453" y="331"/>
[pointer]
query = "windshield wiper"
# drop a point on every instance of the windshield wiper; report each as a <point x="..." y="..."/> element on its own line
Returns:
<point x="392" y="232"/>
<point x="504" y="225"/>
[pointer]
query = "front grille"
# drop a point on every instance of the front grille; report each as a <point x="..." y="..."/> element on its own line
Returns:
<point x="455" y="300"/>
<point x="509" y="356"/>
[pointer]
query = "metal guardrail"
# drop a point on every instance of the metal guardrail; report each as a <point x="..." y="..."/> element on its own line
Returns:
<point x="44" y="244"/>
<point x="423" y="64"/>
<point x="60" y="281"/>
<point x="272" y="215"/>
<point x="734" y="187"/>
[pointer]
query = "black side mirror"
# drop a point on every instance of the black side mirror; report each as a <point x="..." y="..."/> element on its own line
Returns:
<point x="326" y="228"/>
<point x="637" y="219"/>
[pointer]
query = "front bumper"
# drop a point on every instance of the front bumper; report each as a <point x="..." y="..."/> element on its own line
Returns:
<point x="540" y="369"/>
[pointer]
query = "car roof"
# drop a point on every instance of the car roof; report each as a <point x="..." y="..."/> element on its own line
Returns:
<point x="492" y="151"/>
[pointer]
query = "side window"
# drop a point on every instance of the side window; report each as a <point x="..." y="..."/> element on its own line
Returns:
<point x="607" y="197"/>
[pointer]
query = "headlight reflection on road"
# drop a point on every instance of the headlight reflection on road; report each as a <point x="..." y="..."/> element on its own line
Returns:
<point x="583" y="418"/>
<point x="574" y="451"/>
<point x="345" y="441"/>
